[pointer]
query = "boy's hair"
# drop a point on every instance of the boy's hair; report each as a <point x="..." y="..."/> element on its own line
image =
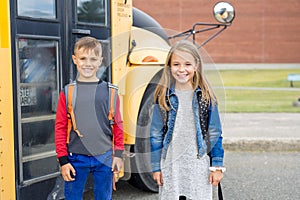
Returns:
<point x="88" y="43"/>
<point x="199" y="79"/>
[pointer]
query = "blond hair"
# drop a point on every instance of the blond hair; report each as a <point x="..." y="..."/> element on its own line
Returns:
<point x="199" y="79"/>
<point x="88" y="43"/>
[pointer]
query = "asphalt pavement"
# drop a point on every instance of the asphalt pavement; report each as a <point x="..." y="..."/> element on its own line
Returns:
<point x="261" y="175"/>
<point x="250" y="175"/>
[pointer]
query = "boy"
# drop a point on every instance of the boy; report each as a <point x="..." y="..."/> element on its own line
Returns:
<point x="92" y="148"/>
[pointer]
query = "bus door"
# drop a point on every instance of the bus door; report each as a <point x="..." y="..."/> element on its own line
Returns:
<point x="43" y="36"/>
<point x="92" y="18"/>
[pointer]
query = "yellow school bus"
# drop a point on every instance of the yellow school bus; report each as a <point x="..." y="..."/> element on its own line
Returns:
<point x="36" y="43"/>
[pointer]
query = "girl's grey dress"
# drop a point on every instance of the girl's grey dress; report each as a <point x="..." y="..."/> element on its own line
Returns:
<point x="183" y="173"/>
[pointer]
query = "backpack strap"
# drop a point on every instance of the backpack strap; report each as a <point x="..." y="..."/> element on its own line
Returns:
<point x="203" y="115"/>
<point x="165" y="116"/>
<point x="70" y="93"/>
<point x="112" y="103"/>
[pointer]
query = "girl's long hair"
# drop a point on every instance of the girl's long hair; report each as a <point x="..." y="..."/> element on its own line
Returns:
<point x="199" y="79"/>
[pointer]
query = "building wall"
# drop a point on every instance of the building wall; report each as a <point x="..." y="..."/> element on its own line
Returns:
<point x="264" y="31"/>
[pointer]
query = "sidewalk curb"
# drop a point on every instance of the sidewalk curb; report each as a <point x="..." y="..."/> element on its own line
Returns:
<point x="261" y="144"/>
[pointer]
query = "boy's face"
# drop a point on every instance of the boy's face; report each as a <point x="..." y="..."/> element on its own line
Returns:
<point x="87" y="63"/>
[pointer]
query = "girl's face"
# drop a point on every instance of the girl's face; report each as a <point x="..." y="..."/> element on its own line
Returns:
<point x="183" y="67"/>
<point x="87" y="63"/>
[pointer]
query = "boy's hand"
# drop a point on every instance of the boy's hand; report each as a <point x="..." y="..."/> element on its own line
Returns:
<point x="68" y="172"/>
<point x="117" y="165"/>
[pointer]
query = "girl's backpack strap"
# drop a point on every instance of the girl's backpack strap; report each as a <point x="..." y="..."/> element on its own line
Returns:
<point x="203" y="114"/>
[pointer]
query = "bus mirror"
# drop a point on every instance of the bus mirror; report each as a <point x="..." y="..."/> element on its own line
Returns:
<point x="224" y="12"/>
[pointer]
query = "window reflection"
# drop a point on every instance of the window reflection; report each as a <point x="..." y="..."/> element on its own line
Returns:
<point x="38" y="76"/>
<point x="91" y="11"/>
<point x="38" y="168"/>
<point x="37" y="9"/>
<point x="38" y="93"/>
<point x="38" y="61"/>
<point x="103" y="71"/>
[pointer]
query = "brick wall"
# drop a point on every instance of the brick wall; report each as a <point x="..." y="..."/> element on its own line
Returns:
<point x="264" y="31"/>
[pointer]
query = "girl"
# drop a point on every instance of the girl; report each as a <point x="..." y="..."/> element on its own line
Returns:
<point x="179" y="146"/>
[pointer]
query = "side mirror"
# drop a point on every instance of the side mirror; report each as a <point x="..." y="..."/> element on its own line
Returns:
<point x="224" y="12"/>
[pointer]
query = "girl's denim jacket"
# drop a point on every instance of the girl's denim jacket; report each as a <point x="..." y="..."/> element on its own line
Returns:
<point x="160" y="141"/>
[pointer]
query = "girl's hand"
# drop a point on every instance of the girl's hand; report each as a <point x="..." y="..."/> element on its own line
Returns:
<point x="215" y="177"/>
<point x="157" y="176"/>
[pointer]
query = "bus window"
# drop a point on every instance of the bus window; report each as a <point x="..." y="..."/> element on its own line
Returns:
<point x="103" y="71"/>
<point x="37" y="9"/>
<point x="91" y="11"/>
<point x="38" y="75"/>
<point x="38" y="91"/>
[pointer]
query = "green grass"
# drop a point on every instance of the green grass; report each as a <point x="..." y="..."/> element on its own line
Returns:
<point x="258" y="78"/>
<point x="261" y="101"/>
<point x="256" y="100"/>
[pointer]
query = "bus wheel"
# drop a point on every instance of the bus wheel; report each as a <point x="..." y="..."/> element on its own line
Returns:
<point x="141" y="176"/>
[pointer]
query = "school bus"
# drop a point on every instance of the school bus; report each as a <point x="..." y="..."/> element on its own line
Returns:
<point x="36" y="42"/>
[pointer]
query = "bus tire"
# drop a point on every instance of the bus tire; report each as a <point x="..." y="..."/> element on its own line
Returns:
<point x="141" y="176"/>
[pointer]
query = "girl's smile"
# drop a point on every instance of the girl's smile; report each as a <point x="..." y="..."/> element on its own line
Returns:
<point x="183" y="67"/>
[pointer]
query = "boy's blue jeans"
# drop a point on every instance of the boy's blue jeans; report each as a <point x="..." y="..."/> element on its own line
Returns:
<point x="100" y="167"/>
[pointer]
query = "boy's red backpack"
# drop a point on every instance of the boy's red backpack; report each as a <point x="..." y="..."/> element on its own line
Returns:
<point x="70" y="92"/>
